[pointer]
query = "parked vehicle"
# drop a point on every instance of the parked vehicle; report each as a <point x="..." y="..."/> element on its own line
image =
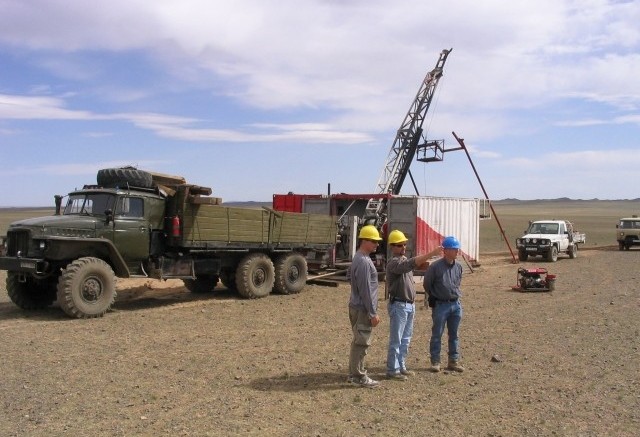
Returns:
<point x="628" y="232"/>
<point x="548" y="238"/>
<point x="135" y="224"/>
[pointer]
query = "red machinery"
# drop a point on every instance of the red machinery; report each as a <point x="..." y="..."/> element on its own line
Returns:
<point x="534" y="279"/>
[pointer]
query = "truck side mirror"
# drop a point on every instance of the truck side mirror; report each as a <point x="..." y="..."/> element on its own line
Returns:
<point x="617" y="226"/>
<point x="58" y="200"/>
<point x="109" y="216"/>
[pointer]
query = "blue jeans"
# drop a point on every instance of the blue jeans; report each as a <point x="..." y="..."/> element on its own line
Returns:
<point x="400" y="332"/>
<point x="449" y="314"/>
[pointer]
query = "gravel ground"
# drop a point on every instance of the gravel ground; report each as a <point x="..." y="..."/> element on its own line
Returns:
<point x="168" y="362"/>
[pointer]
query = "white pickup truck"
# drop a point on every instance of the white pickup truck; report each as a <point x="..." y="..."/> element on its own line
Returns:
<point x="548" y="238"/>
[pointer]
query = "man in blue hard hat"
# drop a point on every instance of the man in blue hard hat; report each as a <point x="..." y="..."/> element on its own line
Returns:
<point x="442" y="286"/>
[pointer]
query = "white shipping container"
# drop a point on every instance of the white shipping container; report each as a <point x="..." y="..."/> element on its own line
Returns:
<point x="427" y="220"/>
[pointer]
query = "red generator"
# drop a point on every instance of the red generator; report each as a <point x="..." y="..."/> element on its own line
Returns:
<point x="534" y="279"/>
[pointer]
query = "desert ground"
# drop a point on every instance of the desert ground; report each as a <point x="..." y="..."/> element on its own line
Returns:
<point x="168" y="362"/>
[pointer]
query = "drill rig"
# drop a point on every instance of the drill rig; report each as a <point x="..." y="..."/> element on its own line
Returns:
<point x="408" y="140"/>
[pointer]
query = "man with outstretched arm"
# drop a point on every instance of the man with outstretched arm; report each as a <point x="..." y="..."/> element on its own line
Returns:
<point x="401" y="307"/>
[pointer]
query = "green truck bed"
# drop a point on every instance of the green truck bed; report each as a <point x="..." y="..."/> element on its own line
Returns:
<point x="216" y="226"/>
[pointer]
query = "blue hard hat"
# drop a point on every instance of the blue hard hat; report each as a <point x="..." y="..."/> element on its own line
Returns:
<point x="450" y="243"/>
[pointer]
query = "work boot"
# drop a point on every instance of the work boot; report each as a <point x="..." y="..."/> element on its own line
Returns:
<point x="407" y="372"/>
<point x="455" y="366"/>
<point x="396" y="376"/>
<point x="435" y="367"/>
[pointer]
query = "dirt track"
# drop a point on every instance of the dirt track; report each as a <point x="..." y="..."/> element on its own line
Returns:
<point x="167" y="362"/>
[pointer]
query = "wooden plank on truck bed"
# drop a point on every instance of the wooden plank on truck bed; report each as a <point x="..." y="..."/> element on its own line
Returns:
<point x="166" y="179"/>
<point x="201" y="200"/>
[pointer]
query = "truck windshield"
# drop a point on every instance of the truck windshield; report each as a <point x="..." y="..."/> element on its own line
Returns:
<point x="629" y="224"/>
<point x="543" y="228"/>
<point x="89" y="204"/>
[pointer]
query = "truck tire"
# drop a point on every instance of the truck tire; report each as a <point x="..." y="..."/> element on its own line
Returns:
<point x="523" y="255"/>
<point x="202" y="284"/>
<point x="291" y="273"/>
<point x="33" y="294"/>
<point x="255" y="276"/>
<point x="228" y="279"/>
<point x="552" y="255"/>
<point x="87" y="288"/>
<point x="573" y="251"/>
<point x="111" y="177"/>
<point x="620" y="245"/>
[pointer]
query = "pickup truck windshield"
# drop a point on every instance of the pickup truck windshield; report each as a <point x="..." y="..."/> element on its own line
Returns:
<point x="543" y="228"/>
<point x="89" y="204"/>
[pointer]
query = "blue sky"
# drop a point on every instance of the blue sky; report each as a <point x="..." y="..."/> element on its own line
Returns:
<point x="259" y="97"/>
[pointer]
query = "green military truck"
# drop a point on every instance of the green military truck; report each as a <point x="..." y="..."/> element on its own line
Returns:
<point x="628" y="232"/>
<point x="140" y="224"/>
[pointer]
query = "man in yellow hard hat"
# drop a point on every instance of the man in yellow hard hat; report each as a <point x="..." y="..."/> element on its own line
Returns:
<point x="401" y="306"/>
<point x="363" y="305"/>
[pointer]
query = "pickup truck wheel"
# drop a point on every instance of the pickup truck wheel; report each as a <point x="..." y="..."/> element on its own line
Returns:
<point x="523" y="255"/>
<point x="620" y="245"/>
<point x="111" y="177"/>
<point x="202" y="284"/>
<point x="291" y="273"/>
<point x="552" y="255"/>
<point x="255" y="276"/>
<point x="87" y="288"/>
<point x="33" y="294"/>
<point x="228" y="279"/>
<point x="573" y="251"/>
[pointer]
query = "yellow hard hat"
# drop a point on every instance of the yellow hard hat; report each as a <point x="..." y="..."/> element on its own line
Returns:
<point x="369" y="232"/>
<point x="396" y="237"/>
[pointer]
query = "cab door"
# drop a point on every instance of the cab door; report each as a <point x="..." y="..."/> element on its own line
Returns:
<point x="564" y="238"/>
<point x="131" y="231"/>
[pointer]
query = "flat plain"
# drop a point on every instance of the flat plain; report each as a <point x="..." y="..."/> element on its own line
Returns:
<point x="168" y="362"/>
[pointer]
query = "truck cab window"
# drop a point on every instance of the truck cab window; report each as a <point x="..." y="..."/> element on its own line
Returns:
<point x="90" y="204"/>
<point x="130" y="207"/>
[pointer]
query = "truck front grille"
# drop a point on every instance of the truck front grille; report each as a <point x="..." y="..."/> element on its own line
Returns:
<point x="17" y="241"/>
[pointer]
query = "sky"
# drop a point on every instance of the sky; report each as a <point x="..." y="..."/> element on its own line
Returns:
<point x="256" y="97"/>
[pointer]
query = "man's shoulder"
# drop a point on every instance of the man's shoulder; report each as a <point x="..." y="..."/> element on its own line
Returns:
<point x="437" y="263"/>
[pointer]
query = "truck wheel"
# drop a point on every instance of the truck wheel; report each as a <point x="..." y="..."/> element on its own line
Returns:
<point x="552" y="255"/>
<point x="620" y="245"/>
<point x="522" y="255"/>
<point x="111" y="177"/>
<point x="228" y="279"/>
<point x="202" y="284"/>
<point x="291" y="273"/>
<point x="573" y="251"/>
<point x="255" y="276"/>
<point x="87" y="288"/>
<point x="32" y="294"/>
